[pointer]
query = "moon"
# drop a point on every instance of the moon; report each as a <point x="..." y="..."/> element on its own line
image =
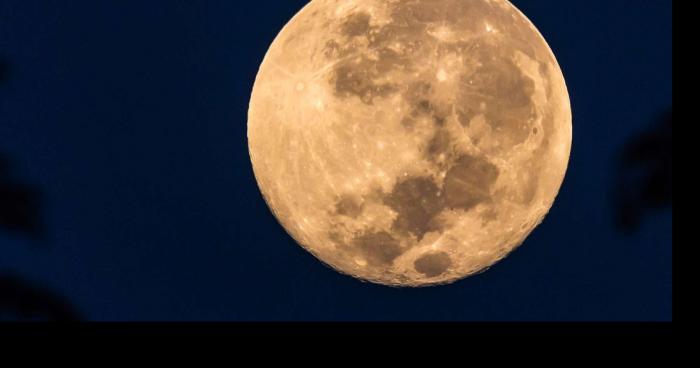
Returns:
<point x="409" y="142"/>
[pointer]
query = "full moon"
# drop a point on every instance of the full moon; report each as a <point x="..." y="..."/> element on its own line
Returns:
<point x="409" y="142"/>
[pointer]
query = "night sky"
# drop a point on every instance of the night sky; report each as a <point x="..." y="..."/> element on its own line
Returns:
<point x="126" y="190"/>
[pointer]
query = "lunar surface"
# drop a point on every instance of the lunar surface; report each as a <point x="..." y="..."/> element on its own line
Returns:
<point x="409" y="142"/>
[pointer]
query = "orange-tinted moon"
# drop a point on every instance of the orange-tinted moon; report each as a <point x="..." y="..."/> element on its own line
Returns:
<point x="409" y="143"/>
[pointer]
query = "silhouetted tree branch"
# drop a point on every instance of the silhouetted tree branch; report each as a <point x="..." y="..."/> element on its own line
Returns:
<point x="644" y="181"/>
<point x="20" y="212"/>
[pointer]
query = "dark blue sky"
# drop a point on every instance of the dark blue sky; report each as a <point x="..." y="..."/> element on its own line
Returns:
<point x="130" y="118"/>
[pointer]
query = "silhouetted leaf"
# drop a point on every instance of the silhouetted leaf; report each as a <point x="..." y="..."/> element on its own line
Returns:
<point x="20" y="204"/>
<point x="22" y="301"/>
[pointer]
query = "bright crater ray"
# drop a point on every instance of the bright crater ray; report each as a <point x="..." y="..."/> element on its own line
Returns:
<point x="409" y="143"/>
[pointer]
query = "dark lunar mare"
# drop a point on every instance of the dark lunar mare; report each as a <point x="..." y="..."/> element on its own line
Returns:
<point x="416" y="200"/>
<point x="433" y="264"/>
<point x="469" y="182"/>
<point x="348" y="206"/>
<point x="379" y="248"/>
